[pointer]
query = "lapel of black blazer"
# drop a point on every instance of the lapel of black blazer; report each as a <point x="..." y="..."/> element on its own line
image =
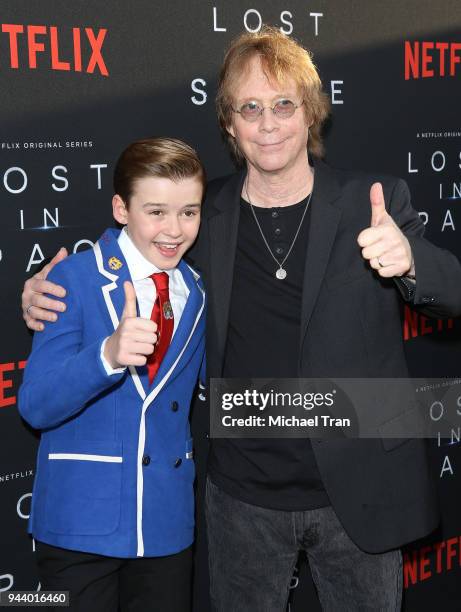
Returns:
<point x="324" y="220"/>
<point x="223" y="220"/>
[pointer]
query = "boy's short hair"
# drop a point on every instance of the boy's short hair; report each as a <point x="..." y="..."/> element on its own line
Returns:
<point x="282" y="58"/>
<point x="169" y="158"/>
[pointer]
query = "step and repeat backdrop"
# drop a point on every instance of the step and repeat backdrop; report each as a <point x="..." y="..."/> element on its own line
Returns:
<point x="80" y="80"/>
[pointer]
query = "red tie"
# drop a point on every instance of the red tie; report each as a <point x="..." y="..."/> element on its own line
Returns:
<point x="162" y="314"/>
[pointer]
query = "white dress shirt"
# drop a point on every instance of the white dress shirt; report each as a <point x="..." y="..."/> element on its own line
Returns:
<point x="140" y="270"/>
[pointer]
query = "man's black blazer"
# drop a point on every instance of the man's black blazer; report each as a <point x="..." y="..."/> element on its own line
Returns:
<point x="351" y="326"/>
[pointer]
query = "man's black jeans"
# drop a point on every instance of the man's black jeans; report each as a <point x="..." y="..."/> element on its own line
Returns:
<point x="253" y="552"/>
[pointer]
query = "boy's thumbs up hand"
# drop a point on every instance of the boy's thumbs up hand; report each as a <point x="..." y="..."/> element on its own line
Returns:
<point x="383" y="243"/>
<point x="134" y="339"/>
<point x="129" y="310"/>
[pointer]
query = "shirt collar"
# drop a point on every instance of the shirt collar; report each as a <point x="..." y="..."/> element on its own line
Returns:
<point x="138" y="265"/>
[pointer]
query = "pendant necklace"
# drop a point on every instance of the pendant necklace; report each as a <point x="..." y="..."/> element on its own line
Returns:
<point x="280" y="273"/>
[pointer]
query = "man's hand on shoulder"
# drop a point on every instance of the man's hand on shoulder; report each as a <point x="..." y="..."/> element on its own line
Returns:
<point x="383" y="243"/>
<point x="36" y="307"/>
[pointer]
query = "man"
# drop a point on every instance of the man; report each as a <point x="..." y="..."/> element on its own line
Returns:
<point x="305" y="269"/>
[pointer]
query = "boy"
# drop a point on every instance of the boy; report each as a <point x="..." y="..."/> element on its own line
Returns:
<point x="110" y="388"/>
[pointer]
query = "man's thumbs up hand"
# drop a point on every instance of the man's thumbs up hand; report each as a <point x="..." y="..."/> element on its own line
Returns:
<point x="379" y="214"/>
<point x="383" y="244"/>
<point x="134" y="339"/>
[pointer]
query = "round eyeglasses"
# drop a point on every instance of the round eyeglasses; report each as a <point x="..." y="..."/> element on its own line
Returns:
<point x="251" y="111"/>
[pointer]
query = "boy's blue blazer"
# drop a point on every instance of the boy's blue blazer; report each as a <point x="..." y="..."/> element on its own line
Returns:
<point x="115" y="471"/>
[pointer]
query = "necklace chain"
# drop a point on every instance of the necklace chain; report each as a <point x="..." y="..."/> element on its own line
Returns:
<point x="281" y="272"/>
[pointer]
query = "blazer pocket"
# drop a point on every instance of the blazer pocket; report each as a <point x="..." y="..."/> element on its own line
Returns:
<point x="337" y="281"/>
<point x="84" y="487"/>
<point x="402" y="428"/>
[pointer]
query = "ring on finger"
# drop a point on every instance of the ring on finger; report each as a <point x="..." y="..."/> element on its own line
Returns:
<point x="380" y="264"/>
<point x="28" y="308"/>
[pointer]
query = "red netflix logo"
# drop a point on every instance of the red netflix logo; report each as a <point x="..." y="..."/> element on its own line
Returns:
<point x="431" y="59"/>
<point x="415" y="324"/>
<point x="40" y="39"/>
<point x="422" y="564"/>
<point x="7" y="398"/>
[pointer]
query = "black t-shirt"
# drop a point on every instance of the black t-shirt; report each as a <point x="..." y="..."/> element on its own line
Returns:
<point x="263" y="342"/>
